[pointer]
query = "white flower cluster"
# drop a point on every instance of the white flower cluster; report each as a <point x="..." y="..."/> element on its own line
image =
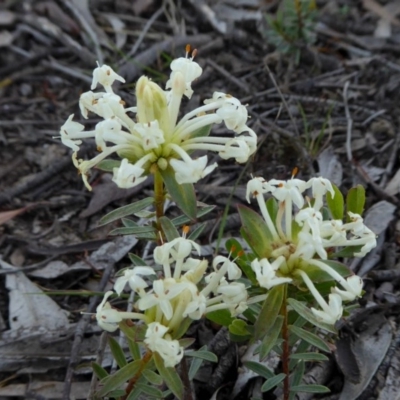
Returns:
<point x="155" y="136"/>
<point x="295" y="249"/>
<point x="184" y="291"/>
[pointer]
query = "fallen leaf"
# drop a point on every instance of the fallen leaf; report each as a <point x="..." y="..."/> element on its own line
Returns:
<point x="7" y="215"/>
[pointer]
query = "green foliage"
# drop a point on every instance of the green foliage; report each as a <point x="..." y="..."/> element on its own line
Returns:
<point x="269" y="312"/>
<point x="255" y="231"/>
<point x="355" y="200"/>
<point x="183" y="195"/>
<point x="335" y="203"/>
<point x="126" y="210"/>
<point x="293" y="26"/>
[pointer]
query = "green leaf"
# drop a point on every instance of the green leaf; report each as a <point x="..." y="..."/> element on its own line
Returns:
<point x="179" y="331"/>
<point x="201" y="132"/>
<point x="126" y="210"/>
<point x="297" y="377"/>
<point x="169" y="229"/>
<point x="309" y="356"/>
<point x="128" y="223"/>
<point x="221" y="317"/>
<point x="310" y="389"/>
<point x="99" y="370"/>
<point x="346" y="252"/>
<point x="271" y="337"/>
<point x="183" y="195"/>
<point x="108" y="165"/>
<point x="194" y="367"/>
<point x="170" y="376"/>
<point x="203" y="354"/>
<point x="259" y="369"/>
<point x="134" y="349"/>
<point x="319" y="276"/>
<point x="133" y="230"/>
<point x="197" y="232"/>
<point x="255" y="231"/>
<point x="136" y="260"/>
<point x="306" y="313"/>
<point x="182" y="219"/>
<point x="135" y="333"/>
<point x="117" y="352"/>
<point x="149" y="390"/>
<point x="116" y="380"/>
<point x="272" y="382"/>
<point x="269" y="311"/>
<point x="152" y="377"/>
<point x="355" y="200"/>
<point x="238" y="327"/>
<point x="272" y="207"/>
<point x="336" y="203"/>
<point x="309" y="337"/>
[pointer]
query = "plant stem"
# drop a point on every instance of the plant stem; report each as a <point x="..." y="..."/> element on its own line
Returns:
<point x="187" y="392"/>
<point x="285" y="346"/>
<point x="158" y="200"/>
<point x="131" y="384"/>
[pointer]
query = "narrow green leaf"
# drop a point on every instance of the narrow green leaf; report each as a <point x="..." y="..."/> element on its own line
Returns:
<point x="108" y="165"/>
<point x="183" y="195"/>
<point x="99" y="370"/>
<point x="256" y="232"/>
<point x="259" y="369"/>
<point x="116" y="380"/>
<point x="238" y="327"/>
<point x="194" y="367"/>
<point x="136" y="260"/>
<point x="319" y="276"/>
<point x="355" y="200"/>
<point x="310" y="389"/>
<point x="170" y="376"/>
<point x="117" y="352"/>
<point x="271" y="337"/>
<point x="203" y="354"/>
<point x="169" y="229"/>
<point x="335" y="203"/>
<point x="150" y="390"/>
<point x="134" y="349"/>
<point x="272" y="382"/>
<point x="296" y="378"/>
<point x="201" y="132"/>
<point x="179" y="331"/>
<point x="126" y="210"/>
<point x="183" y="219"/>
<point x="134" y="230"/>
<point x="306" y="313"/>
<point x="152" y="377"/>
<point x="221" y="317"/>
<point x="234" y="247"/>
<point x="269" y="311"/>
<point x="309" y="337"/>
<point x="128" y="223"/>
<point x="309" y="356"/>
<point x="194" y="235"/>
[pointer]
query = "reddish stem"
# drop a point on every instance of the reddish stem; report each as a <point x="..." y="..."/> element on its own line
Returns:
<point x="285" y="347"/>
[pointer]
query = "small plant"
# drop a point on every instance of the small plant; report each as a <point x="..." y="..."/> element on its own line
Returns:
<point x="293" y="26"/>
<point x="285" y="294"/>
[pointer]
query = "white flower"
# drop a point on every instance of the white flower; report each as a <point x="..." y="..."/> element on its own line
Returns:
<point x="132" y="276"/>
<point x="170" y="350"/>
<point x="152" y="135"/>
<point x="353" y="288"/>
<point x="128" y="175"/>
<point x="234" y="272"/>
<point x="190" y="71"/>
<point x="190" y="171"/>
<point x="106" y="77"/>
<point x="289" y="191"/>
<point x="154" y="332"/>
<point x="332" y="312"/>
<point x="197" y="306"/>
<point x="266" y="272"/>
<point x="108" y="318"/>
<point x="70" y="132"/>
<point x="164" y="290"/>
<point x="320" y="187"/>
<point x="237" y="149"/>
<point x="233" y="293"/>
